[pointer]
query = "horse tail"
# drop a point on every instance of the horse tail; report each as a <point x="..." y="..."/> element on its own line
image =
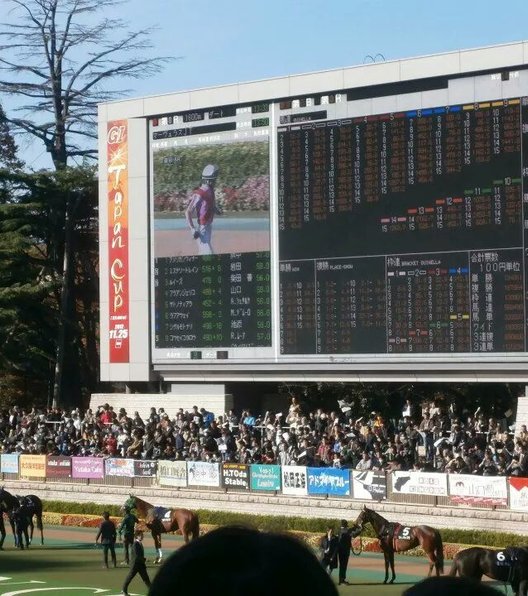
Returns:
<point x="454" y="567"/>
<point x="195" y="526"/>
<point x="439" y="553"/>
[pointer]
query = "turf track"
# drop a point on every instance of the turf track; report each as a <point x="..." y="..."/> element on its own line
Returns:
<point x="70" y="564"/>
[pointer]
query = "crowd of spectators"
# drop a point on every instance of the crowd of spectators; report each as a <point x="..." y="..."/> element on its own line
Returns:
<point x="425" y="437"/>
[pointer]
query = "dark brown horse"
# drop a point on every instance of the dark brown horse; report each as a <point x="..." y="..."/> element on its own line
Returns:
<point x="160" y="520"/>
<point x="509" y="565"/>
<point x="10" y="503"/>
<point x="397" y="538"/>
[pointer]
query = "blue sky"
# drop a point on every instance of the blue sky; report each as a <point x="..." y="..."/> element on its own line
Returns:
<point x="225" y="41"/>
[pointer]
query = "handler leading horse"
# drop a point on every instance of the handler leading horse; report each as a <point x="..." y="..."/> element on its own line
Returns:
<point x="9" y="503"/>
<point x="160" y="520"/>
<point x="397" y="538"/>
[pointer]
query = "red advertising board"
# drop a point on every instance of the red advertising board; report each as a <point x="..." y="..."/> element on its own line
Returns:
<point x="118" y="265"/>
<point x="58" y="466"/>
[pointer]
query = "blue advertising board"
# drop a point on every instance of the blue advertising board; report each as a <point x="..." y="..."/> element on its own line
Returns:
<point x="328" y="481"/>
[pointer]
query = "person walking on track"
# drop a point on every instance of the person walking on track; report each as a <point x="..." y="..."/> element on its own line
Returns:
<point x="107" y="533"/>
<point x="137" y="563"/>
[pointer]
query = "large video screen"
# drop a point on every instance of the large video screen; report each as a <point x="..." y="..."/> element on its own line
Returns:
<point x="307" y="230"/>
<point x="211" y="231"/>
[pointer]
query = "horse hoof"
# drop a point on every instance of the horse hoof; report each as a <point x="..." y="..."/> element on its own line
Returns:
<point x="391" y="581"/>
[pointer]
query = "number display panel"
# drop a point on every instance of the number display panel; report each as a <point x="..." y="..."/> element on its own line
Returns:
<point x="404" y="233"/>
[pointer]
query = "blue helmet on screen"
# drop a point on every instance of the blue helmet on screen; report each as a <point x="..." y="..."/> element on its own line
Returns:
<point x="210" y="172"/>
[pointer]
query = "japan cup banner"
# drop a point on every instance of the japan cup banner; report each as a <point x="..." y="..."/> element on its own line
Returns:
<point x="294" y="480"/>
<point x="478" y="490"/>
<point x="9" y="463"/>
<point x="118" y="264"/>
<point x="369" y="485"/>
<point x="58" y="466"/>
<point x="201" y="473"/>
<point x="32" y="466"/>
<point x="518" y="493"/>
<point x="88" y="467"/>
<point x="328" y="481"/>
<point x="172" y="473"/>
<point x="419" y="483"/>
<point x="119" y="467"/>
<point x="235" y="476"/>
<point x="265" y="477"/>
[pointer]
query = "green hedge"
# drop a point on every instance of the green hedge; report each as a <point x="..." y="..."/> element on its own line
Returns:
<point x="300" y="524"/>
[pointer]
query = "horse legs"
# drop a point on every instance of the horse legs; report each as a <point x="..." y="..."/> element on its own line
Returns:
<point x="386" y="560"/>
<point x="31" y="528"/>
<point x="13" y="529"/>
<point x="40" y="526"/>
<point x="391" y="561"/>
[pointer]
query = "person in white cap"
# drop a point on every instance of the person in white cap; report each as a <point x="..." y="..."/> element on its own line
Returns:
<point x="203" y="207"/>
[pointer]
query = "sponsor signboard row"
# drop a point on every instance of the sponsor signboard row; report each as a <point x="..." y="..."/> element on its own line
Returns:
<point x="290" y="480"/>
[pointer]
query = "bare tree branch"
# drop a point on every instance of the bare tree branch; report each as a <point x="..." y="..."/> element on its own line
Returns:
<point x="60" y="64"/>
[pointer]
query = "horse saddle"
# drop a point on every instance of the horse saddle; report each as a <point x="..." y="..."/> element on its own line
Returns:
<point x="511" y="556"/>
<point x="402" y="532"/>
<point x="161" y="513"/>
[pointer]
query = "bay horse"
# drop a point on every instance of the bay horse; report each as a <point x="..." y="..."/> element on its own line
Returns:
<point x="398" y="538"/>
<point x="9" y="503"/>
<point x="509" y="565"/>
<point x="160" y="520"/>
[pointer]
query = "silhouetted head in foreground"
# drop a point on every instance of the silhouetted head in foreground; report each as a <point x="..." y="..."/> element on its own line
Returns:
<point x="454" y="586"/>
<point x="238" y="561"/>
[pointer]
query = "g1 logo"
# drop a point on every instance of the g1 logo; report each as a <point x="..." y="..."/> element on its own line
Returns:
<point x="116" y="135"/>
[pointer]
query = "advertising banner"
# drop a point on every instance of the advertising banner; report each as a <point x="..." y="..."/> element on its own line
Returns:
<point x="201" y="473"/>
<point x="58" y="466"/>
<point x="419" y="483"/>
<point x="294" y="480"/>
<point x="145" y="468"/>
<point x="235" y="476"/>
<point x="119" y="467"/>
<point x="32" y="466"/>
<point x="118" y="265"/>
<point x="518" y="493"/>
<point x="9" y="463"/>
<point x="369" y="485"/>
<point x="88" y="467"/>
<point x="265" y="477"/>
<point x="478" y="490"/>
<point x="328" y="481"/>
<point x="172" y="473"/>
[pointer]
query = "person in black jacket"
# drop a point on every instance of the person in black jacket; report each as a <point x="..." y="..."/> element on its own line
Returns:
<point x="137" y="563"/>
<point x="329" y="545"/>
<point x="20" y="518"/>
<point x="107" y="533"/>
<point x="2" y="528"/>
<point x="343" y="550"/>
